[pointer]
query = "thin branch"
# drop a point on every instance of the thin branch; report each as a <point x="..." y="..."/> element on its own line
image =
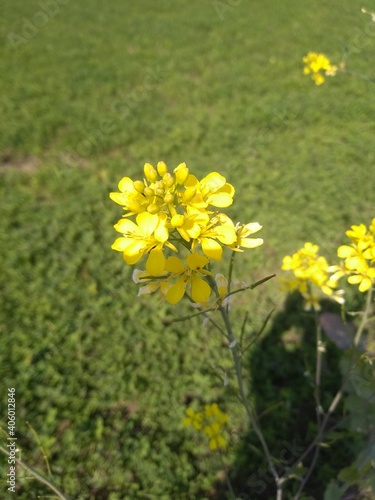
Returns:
<point x="36" y="475"/>
<point x="251" y="415"/>
<point x="250" y="287"/>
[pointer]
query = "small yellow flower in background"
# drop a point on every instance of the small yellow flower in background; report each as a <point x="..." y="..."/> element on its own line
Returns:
<point x="211" y="422"/>
<point x="173" y="211"/>
<point x="318" y="66"/>
<point x="359" y="257"/>
<point x="192" y="418"/>
<point x="310" y="276"/>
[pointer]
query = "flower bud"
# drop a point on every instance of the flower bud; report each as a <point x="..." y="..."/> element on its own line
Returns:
<point x="162" y="168"/>
<point x="148" y="192"/>
<point x="150" y="173"/>
<point x="153" y="208"/>
<point x="168" y="180"/>
<point x="177" y="220"/>
<point x="182" y="173"/>
<point x="139" y="186"/>
<point x="169" y="198"/>
<point x="189" y="194"/>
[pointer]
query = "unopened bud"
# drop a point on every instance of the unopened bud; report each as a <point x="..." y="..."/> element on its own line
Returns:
<point x="150" y="173"/>
<point x="153" y="208"/>
<point x="177" y="220"/>
<point x="162" y="168"/>
<point x="168" y="180"/>
<point x="181" y="172"/>
<point x="148" y="192"/>
<point x="139" y="186"/>
<point x="169" y="198"/>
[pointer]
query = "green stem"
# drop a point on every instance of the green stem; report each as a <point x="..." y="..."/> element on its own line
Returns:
<point x="318" y="440"/>
<point x="318" y="370"/>
<point x="357" y="75"/>
<point x="364" y="319"/>
<point x="36" y="475"/>
<point x="243" y="398"/>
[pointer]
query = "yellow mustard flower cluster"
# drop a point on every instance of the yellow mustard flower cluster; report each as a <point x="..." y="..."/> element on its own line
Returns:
<point x="359" y="257"/>
<point x="318" y="66"/>
<point x="310" y="276"/>
<point x="173" y="210"/>
<point x="211" y="422"/>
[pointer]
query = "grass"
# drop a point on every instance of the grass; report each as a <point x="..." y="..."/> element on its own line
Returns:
<point x="94" y="93"/>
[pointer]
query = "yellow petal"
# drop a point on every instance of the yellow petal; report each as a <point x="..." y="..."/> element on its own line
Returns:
<point x="365" y="285"/>
<point x="196" y="261"/>
<point x="220" y="200"/>
<point x="121" y="244"/>
<point x="345" y="251"/>
<point x="176" y="292"/>
<point x="156" y="262"/>
<point x="212" y="248"/>
<point x="134" y="252"/>
<point x="119" y="198"/>
<point x="355" y="279"/>
<point x="126" y="185"/>
<point x="251" y="242"/>
<point x="200" y="289"/>
<point x="213" y="182"/>
<point x="126" y="226"/>
<point x="174" y="265"/>
<point x="147" y="222"/>
<point x="226" y="234"/>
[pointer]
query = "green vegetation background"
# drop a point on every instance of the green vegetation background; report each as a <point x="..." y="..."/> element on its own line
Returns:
<point x="103" y="377"/>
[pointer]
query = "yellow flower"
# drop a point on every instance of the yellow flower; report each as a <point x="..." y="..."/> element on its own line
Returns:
<point x="243" y="231"/>
<point x="359" y="257"/>
<point x="189" y="277"/>
<point x="221" y="228"/>
<point x="189" y="224"/>
<point x="211" y="422"/>
<point x="175" y="208"/>
<point x="311" y="274"/>
<point x="319" y="66"/>
<point x="213" y="412"/>
<point x="193" y="419"/>
<point x="156" y="193"/>
<point x="149" y="234"/>
<point x="129" y="197"/>
<point x="213" y="431"/>
<point x="211" y="190"/>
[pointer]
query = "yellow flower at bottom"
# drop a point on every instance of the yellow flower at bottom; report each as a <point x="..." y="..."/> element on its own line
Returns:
<point x="210" y="422"/>
<point x="213" y="431"/>
<point x="188" y="277"/>
<point x="192" y="418"/>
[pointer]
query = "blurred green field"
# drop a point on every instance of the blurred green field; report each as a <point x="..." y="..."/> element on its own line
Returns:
<point x="89" y="92"/>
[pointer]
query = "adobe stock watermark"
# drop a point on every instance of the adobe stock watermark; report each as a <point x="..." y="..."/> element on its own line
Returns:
<point x="123" y="109"/>
<point x="359" y="38"/>
<point x="31" y="26"/>
<point x="223" y="6"/>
